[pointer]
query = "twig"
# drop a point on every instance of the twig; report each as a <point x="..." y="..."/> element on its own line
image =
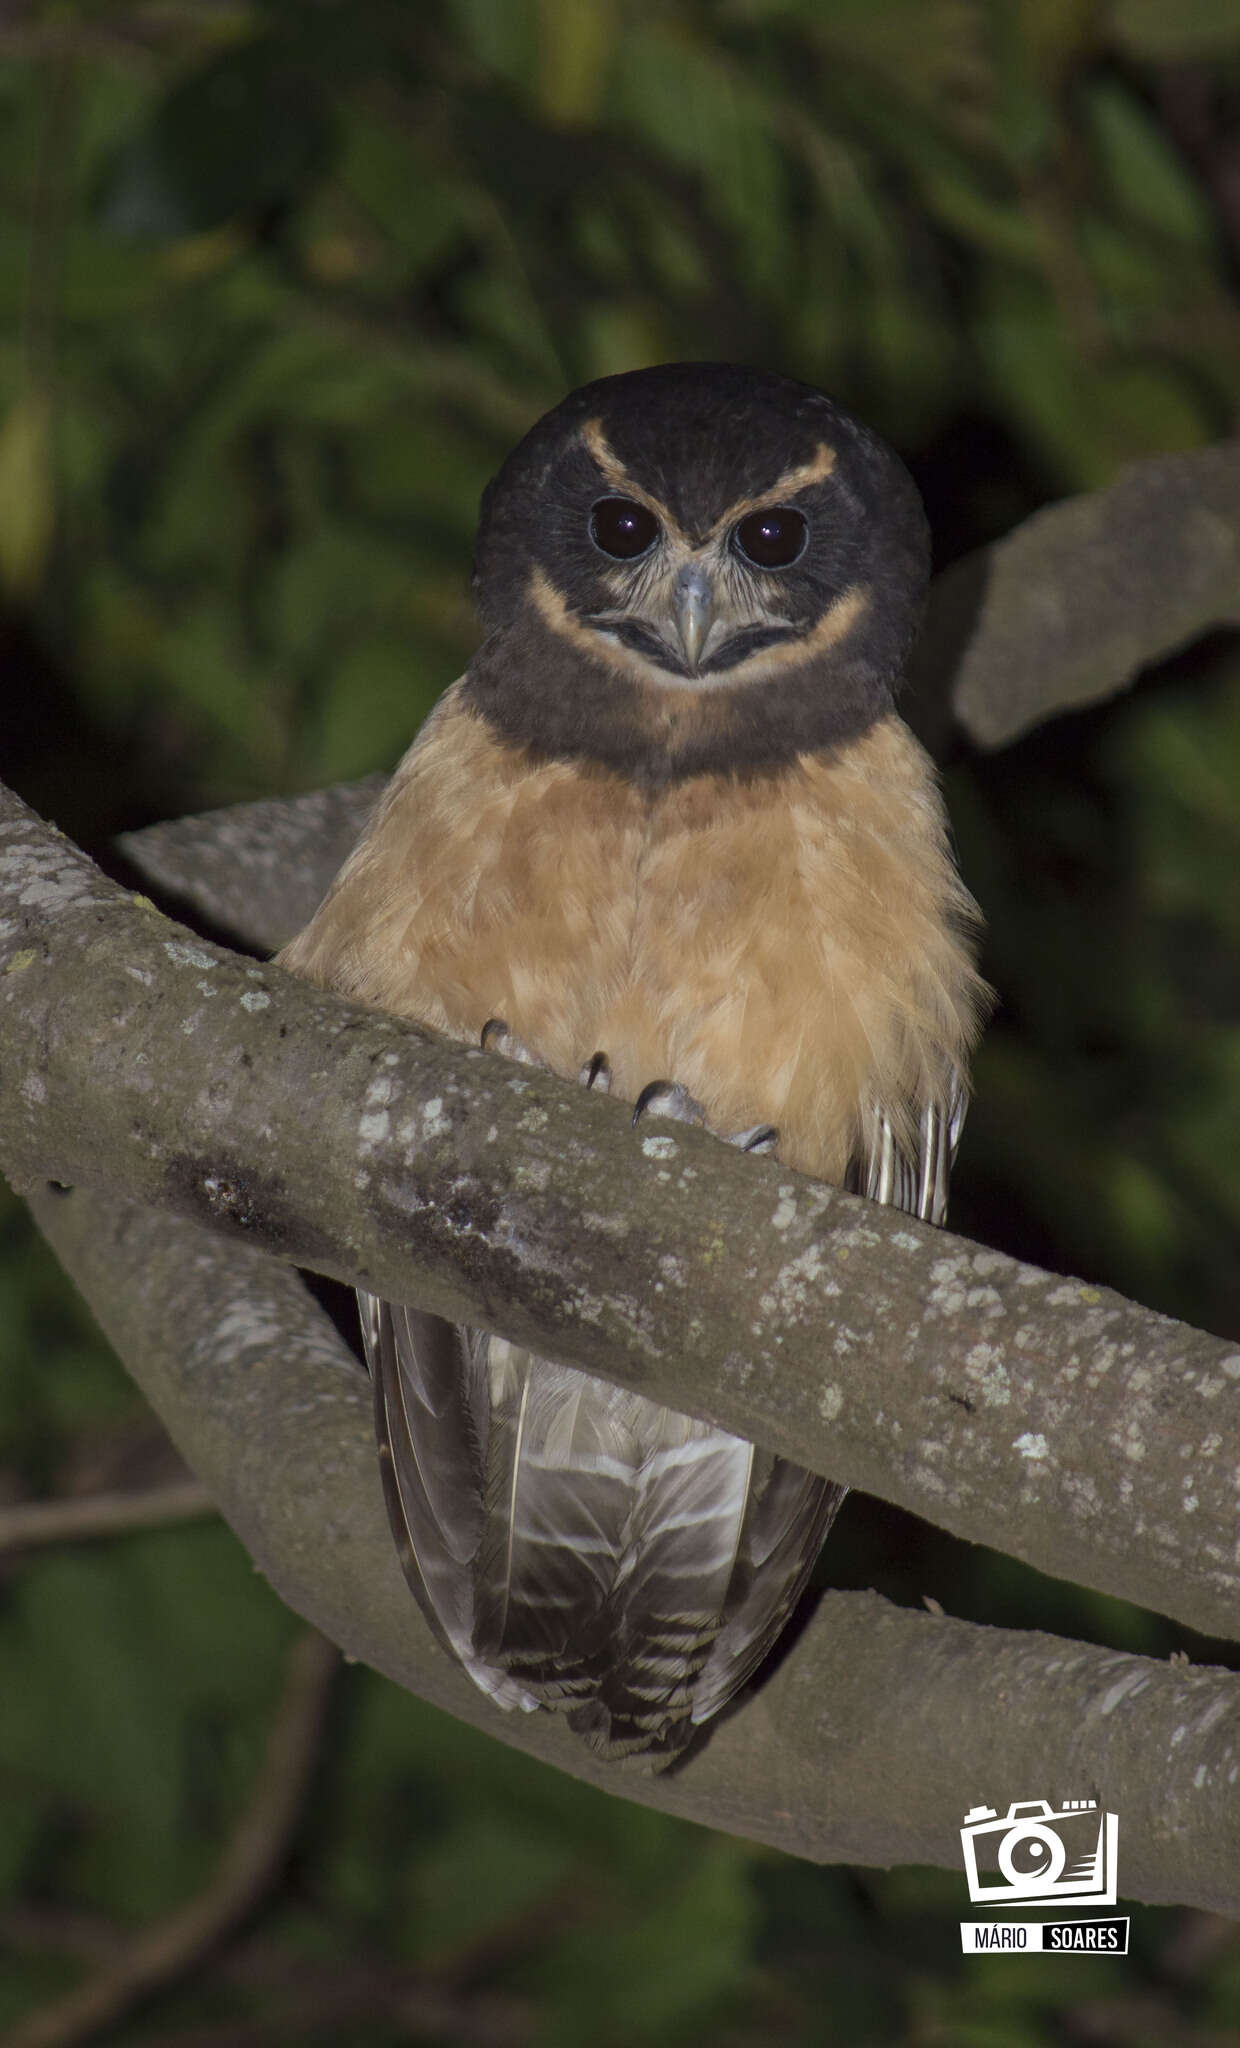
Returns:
<point x="305" y="1998"/>
<point x="250" y="1865"/>
<point x="31" y="1524"/>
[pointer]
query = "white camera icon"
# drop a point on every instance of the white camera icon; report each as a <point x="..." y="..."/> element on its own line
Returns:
<point x="1038" y="1854"/>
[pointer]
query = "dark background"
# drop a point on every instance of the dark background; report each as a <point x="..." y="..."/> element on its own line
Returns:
<point x="279" y="286"/>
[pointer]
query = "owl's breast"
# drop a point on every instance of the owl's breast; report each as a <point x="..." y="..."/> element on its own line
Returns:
<point x="757" y="940"/>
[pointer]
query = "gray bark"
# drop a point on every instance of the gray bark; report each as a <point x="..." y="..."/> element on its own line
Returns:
<point x="869" y="1742"/>
<point x="1079" y="1431"/>
<point x="1070" y="607"/>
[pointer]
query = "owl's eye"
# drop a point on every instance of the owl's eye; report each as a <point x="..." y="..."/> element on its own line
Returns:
<point x="773" y="539"/>
<point x="622" y="528"/>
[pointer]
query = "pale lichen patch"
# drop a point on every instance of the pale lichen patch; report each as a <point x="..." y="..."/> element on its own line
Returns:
<point x="797" y="1283"/>
<point x="659" y="1148"/>
<point x="1031" y="1445"/>
<point x="255" y="999"/>
<point x="948" y="1291"/>
<point x="435" y="1124"/>
<point x="183" y="955"/>
<point x="1064" y="1296"/>
<point x="1130" y="1440"/>
<point x="984" y="1363"/>
<point x="830" y="1402"/>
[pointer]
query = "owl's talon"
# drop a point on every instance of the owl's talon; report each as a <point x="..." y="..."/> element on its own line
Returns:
<point x="762" y="1138"/>
<point x="671" y="1099"/>
<point x="596" y="1074"/>
<point x="496" y="1037"/>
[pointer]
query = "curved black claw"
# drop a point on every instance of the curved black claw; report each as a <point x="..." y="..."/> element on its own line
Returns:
<point x="758" y="1138"/>
<point x="496" y="1037"/>
<point x="668" y="1098"/>
<point x="596" y="1074"/>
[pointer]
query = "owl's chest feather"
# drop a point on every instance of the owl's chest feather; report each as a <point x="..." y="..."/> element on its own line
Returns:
<point x="758" y="941"/>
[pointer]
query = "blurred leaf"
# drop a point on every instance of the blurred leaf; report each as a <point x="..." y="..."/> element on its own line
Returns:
<point x="1155" y="30"/>
<point x="1088" y="417"/>
<point x="236" y="137"/>
<point x="652" y="1971"/>
<point x="27" y="492"/>
<point x="379" y="697"/>
<point x="576" y="40"/>
<point x="1145" y="173"/>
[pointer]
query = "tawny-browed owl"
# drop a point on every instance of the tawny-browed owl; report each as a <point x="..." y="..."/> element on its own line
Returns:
<point x="667" y="835"/>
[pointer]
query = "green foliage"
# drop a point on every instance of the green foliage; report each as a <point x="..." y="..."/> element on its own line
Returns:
<point x="280" y="283"/>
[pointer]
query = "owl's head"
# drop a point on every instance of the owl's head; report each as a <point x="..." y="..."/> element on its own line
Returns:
<point x="709" y="531"/>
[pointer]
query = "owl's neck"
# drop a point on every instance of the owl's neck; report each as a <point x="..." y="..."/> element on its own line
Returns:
<point x="546" y="689"/>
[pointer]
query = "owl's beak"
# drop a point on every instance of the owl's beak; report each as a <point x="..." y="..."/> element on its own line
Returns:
<point x="693" y="608"/>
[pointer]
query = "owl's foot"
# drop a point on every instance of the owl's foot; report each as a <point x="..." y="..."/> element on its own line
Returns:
<point x="668" y="1098"/>
<point x="761" y="1138"/>
<point x="672" y="1099"/>
<point x="496" y="1037"/>
<point x="658" y="1098"/>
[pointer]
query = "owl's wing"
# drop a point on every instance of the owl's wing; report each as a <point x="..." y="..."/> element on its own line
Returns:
<point x="574" y="1544"/>
<point x="785" y="1525"/>
<point x="432" y="1423"/>
<point x="578" y="1546"/>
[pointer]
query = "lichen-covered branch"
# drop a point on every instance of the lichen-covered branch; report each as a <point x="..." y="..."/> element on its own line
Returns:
<point x="878" y="1730"/>
<point x="1075" y="1429"/>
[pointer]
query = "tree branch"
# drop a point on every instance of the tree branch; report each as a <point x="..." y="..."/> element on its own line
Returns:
<point x="1067" y="609"/>
<point x="1075" y="1429"/>
<point x="252" y="1861"/>
<point x="875" y="1734"/>
<point x="32" y="1524"/>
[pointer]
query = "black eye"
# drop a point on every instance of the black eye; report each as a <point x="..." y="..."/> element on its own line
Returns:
<point x="772" y="539"/>
<point x="623" y="528"/>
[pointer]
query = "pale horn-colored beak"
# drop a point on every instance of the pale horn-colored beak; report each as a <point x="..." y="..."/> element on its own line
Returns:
<point x="693" y="607"/>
